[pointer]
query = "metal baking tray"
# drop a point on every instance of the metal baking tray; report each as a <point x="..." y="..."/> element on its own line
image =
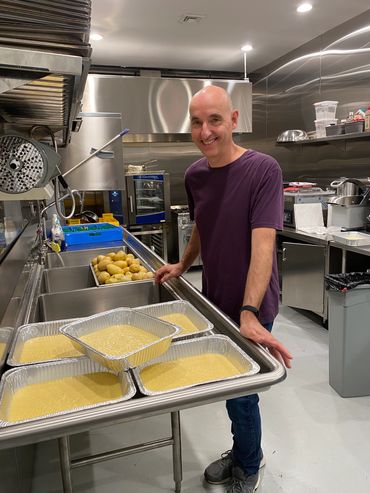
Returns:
<point x="125" y="282"/>
<point x="6" y="334"/>
<point x="30" y="331"/>
<point x="216" y="344"/>
<point x="17" y="378"/>
<point x="352" y="238"/>
<point x="119" y="316"/>
<point x="180" y="306"/>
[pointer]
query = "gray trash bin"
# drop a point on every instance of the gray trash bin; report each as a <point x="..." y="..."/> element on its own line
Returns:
<point x="349" y="341"/>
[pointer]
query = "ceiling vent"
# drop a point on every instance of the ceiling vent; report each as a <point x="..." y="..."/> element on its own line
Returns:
<point x="191" y="18"/>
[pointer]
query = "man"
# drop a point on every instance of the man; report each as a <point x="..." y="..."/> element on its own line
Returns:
<point x="235" y="196"/>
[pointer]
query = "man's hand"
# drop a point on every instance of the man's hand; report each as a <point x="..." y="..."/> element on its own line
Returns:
<point x="252" y="329"/>
<point x="168" y="271"/>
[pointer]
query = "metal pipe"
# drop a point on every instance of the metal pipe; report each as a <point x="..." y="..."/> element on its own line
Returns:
<point x="176" y="450"/>
<point x="123" y="452"/>
<point x="65" y="463"/>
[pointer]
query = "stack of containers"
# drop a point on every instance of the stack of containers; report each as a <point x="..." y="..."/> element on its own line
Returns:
<point x="325" y="116"/>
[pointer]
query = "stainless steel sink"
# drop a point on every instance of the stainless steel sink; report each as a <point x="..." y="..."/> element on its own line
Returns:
<point x="85" y="302"/>
<point x="67" y="279"/>
<point x="78" y="257"/>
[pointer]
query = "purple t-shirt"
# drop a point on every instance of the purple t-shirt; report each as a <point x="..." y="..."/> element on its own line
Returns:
<point x="227" y="203"/>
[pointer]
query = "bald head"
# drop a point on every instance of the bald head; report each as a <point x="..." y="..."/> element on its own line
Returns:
<point x="210" y="95"/>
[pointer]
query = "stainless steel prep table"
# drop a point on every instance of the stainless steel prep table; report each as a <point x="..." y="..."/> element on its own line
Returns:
<point x="62" y="427"/>
<point x="306" y="260"/>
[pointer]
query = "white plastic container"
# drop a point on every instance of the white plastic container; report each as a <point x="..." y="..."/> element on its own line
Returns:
<point x="325" y="110"/>
<point x="322" y="124"/>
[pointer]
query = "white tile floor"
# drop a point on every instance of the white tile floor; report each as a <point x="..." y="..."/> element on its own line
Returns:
<point x="314" y="440"/>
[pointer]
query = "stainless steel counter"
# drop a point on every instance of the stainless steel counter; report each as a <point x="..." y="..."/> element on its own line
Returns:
<point x="272" y="372"/>
<point x="305" y="260"/>
<point x="325" y="240"/>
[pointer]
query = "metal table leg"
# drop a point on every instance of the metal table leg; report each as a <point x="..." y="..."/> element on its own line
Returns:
<point x="65" y="463"/>
<point x="176" y="450"/>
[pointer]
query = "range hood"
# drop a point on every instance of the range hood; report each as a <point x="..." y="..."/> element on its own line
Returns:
<point x="157" y="105"/>
<point x="44" y="62"/>
<point x="41" y="88"/>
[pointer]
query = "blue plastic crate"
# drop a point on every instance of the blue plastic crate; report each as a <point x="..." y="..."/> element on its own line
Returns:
<point x="91" y="233"/>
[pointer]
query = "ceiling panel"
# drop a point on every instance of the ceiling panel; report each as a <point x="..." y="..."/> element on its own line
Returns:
<point x="147" y="33"/>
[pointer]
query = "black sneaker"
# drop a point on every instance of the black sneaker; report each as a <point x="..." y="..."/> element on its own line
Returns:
<point x="220" y="471"/>
<point x="243" y="483"/>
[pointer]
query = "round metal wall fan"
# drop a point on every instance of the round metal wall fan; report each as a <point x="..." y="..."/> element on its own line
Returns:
<point x="25" y="164"/>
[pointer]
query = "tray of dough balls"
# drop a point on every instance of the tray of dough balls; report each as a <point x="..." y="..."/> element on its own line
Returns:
<point x="40" y="343"/>
<point x="122" y="338"/>
<point x="117" y="267"/>
<point x="194" y="362"/>
<point x="181" y="314"/>
<point x="6" y="334"/>
<point x="60" y="387"/>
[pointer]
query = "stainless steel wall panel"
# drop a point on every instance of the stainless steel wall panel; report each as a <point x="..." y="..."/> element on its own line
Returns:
<point x="159" y="105"/>
<point x="295" y="82"/>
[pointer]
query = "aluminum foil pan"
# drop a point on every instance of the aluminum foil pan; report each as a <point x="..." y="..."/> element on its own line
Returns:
<point x="216" y="344"/>
<point x="6" y="334"/>
<point x="13" y="380"/>
<point x="30" y="331"/>
<point x="119" y="316"/>
<point x="184" y="307"/>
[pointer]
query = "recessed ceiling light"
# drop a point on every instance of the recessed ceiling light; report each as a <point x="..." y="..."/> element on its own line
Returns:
<point x="247" y="48"/>
<point x="304" y="7"/>
<point x="96" y="37"/>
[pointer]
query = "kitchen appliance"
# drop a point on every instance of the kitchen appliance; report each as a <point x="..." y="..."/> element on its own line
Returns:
<point x="350" y="206"/>
<point x="25" y="164"/>
<point x="179" y="234"/>
<point x="349" y="186"/>
<point x="304" y="196"/>
<point x="349" y="211"/>
<point x="148" y="198"/>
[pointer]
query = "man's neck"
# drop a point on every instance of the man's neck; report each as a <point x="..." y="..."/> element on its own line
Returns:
<point x="235" y="154"/>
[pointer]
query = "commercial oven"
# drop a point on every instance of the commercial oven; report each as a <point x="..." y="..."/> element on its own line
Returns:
<point x="148" y="198"/>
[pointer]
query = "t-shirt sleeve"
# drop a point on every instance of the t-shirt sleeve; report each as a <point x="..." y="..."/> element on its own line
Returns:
<point x="267" y="206"/>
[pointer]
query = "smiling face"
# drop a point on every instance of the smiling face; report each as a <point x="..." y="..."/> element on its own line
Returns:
<point x="212" y="122"/>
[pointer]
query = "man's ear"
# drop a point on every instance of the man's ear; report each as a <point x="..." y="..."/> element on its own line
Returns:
<point x="234" y="118"/>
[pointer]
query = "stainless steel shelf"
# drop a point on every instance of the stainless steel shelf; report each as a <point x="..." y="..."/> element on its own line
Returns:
<point x="327" y="140"/>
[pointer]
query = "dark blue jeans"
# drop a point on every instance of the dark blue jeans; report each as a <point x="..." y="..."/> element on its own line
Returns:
<point x="246" y="429"/>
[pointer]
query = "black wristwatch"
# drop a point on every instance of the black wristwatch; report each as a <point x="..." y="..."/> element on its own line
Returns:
<point x="250" y="308"/>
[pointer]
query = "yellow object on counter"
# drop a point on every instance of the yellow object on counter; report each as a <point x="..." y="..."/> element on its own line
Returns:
<point x="107" y="217"/>
<point x="63" y="394"/>
<point x="117" y="340"/>
<point x="191" y="370"/>
<point x="73" y="221"/>
<point x="181" y="320"/>
<point x="2" y="349"/>
<point x="46" y="348"/>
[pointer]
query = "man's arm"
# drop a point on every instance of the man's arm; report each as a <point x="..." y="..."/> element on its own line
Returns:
<point x="175" y="270"/>
<point x="259" y="274"/>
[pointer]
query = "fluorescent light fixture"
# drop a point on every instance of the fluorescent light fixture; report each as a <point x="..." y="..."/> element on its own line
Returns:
<point x="247" y="47"/>
<point x="96" y="37"/>
<point x="304" y="7"/>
